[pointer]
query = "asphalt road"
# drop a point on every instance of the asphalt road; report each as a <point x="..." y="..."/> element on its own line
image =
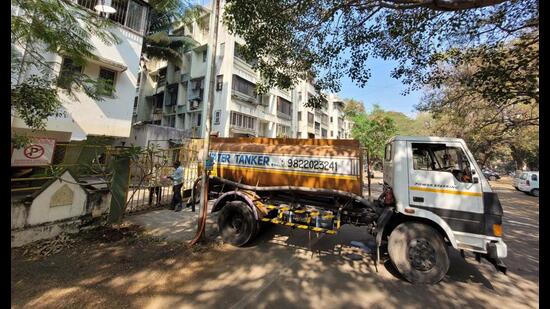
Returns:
<point x="283" y="268"/>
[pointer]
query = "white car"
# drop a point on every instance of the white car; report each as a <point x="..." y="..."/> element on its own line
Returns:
<point x="528" y="182"/>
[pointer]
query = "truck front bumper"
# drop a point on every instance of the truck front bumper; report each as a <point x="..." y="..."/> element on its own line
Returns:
<point x="495" y="251"/>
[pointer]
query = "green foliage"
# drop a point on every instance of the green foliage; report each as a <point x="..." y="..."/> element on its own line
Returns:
<point x="490" y="108"/>
<point x="331" y="39"/>
<point x="166" y="18"/>
<point x="34" y="100"/>
<point x="353" y="107"/>
<point x="373" y="131"/>
<point x="55" y="26"/>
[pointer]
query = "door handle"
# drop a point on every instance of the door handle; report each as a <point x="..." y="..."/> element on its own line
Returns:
<point x="418" y="199"/>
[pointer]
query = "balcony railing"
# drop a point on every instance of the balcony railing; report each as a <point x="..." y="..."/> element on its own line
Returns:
<point x="129" y="14"/>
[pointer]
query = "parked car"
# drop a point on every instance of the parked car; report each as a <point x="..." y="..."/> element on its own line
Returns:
<point x="529" y="183"/>
<point x="515" y="180"/>
<point x="491" y="175"/>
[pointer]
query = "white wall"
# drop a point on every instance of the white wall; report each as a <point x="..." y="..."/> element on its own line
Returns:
<point x="41" y="211"/>
<point x="112" y="116"/>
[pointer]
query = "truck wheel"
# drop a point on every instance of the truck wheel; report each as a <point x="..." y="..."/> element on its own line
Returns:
<point x="418" y="252"/>
<point x="535" y="192"/>
<point x="492" y="178"/>
<point x="237" y="223"/>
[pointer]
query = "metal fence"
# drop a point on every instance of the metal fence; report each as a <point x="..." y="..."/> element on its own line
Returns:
<point x="80" y="159"/>
<point x="150" y="188"/>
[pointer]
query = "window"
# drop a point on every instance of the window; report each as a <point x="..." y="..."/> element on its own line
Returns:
<point x="331" y="133"/>
<point x="243" y="86"/>
<point x="107" y="81"/>
<point x="217" y="115"/>
<point x="324" y="133"/>
<point x="331" y="120"/>
<point x="387" y="152"/>
<point x="534" y="177"/>
<point x="198" y="119"/>
<point x="284" y="106"/>
<point x="67" y="73"/>
<point x="310" y="118"/>
<point x="299" y="134"/>
<point x="219" y="83"/>
<point x="136" y="17"/>
<point x="324" y="118"/>
<point x="299" y="116"/>
<point x="243" y="121"/>
<point x="283" y="131"/>
<point x="204" y="53"/>
<point x="442" y="158"/>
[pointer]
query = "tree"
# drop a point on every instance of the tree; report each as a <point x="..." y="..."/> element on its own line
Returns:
<point x="473" y="100"/>
<point x="372" y="131"/>
<point x="166" y="16"/>
<point x="329" y="39"/>
<point x="353" y="107"/>
<point x="53" y="26"/>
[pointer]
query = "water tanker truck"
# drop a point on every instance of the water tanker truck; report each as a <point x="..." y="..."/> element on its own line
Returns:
<point x="434" y="197"/>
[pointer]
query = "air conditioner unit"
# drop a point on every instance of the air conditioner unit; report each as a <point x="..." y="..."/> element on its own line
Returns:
<point x="194" y="103"/>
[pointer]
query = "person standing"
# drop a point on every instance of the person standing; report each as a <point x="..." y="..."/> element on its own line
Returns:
<point x="177" y="182"/>
<point x="154" y="185"/>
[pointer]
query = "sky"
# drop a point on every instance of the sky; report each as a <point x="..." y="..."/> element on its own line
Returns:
<point x="381" y="89"/>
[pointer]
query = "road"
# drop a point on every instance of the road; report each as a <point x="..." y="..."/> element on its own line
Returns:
<point x="285" y="269"/>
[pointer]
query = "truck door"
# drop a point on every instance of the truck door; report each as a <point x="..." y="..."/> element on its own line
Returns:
<point x="441" y="180"/>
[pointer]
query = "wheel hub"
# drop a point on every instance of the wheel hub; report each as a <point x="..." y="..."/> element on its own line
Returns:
<point x="421" y="254"/>
<point x="236" y="222"/>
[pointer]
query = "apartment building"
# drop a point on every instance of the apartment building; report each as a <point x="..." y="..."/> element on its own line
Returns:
<point x="172" y="100"/>
<point x="116" y="64"/>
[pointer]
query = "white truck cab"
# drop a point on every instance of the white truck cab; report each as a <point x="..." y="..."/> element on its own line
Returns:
<point x="436" y="181"/>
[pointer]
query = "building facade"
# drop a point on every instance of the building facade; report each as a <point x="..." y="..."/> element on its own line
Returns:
<point x="117" y="64"/>
<point x="176" y="96"/>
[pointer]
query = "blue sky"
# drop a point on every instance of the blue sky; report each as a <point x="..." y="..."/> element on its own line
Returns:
<point x="381" y="89"/>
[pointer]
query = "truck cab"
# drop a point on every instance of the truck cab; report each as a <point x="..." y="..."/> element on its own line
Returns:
<point x="435" y="182"/>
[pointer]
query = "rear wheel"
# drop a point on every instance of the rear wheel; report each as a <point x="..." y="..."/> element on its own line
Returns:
<point x="418" y="252"/>
<point x="237" y="223"/>
<point x="535" y="192"/>
<point x="492" y="178"/>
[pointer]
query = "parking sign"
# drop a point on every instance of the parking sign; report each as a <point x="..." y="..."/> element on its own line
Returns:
<point x="38" y="153"/>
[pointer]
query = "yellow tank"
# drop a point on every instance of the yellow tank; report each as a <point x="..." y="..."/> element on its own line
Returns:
<point x="312" y="163"/>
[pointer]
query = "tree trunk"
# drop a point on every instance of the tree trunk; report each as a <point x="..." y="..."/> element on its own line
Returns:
<point x="368" y="170"/>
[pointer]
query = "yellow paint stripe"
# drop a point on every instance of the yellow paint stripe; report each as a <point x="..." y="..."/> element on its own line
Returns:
<point x="232" y="167"/>
<point x="445" y="191"/>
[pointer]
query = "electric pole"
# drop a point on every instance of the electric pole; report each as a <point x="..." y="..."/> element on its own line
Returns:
<point x="203" y="210"/>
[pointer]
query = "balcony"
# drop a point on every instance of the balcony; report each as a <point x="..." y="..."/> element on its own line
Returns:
<point x="244" y="97"/>
<point x="129" y="14"/>
<point x="181" y="109"/>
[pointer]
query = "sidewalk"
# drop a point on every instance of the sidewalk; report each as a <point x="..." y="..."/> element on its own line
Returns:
<point x="173" y="226"/>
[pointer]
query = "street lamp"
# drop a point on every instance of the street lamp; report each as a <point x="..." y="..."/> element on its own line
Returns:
<point x="104" y="6"/>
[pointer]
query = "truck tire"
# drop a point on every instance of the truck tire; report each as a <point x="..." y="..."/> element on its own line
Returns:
<point x="237" y="224"/>
<point x="492" y="178"/>
<point x="418" y="252"/>
<point x="535" y="192"/>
